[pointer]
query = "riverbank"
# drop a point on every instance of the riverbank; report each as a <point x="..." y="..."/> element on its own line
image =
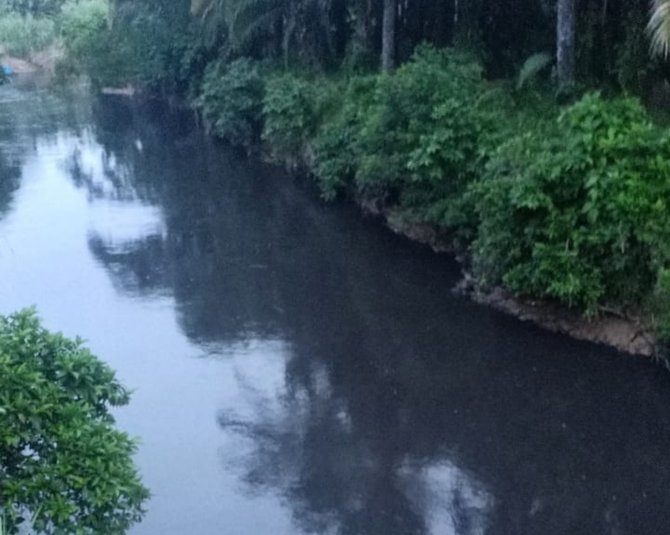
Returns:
<point x="559" y="212"/>
<point x="630" y="333"/>
<point x="626" y="333"/>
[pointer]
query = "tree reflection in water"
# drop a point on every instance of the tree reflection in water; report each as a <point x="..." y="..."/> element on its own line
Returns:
<point x="338" y="478"/>
<point x="25" y="121"/>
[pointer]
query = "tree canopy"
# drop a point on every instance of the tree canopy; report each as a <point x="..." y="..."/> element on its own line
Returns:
<point x="64" y="467"/>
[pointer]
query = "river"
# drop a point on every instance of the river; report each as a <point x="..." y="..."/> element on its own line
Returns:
<point x="300" y="369"/>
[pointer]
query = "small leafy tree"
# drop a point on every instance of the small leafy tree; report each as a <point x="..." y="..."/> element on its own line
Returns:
<point x="93" y="48"/>
<point x="64" y="468"/>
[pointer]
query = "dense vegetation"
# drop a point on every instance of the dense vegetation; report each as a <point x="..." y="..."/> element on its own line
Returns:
<point x="64" y="468"/>
<point x="515" y="128"/>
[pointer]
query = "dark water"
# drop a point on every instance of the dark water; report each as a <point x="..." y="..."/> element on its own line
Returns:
<point x="298" y="369"/>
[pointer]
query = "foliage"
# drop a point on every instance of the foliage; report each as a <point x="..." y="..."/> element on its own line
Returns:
<point x="151" y="45"/>
<point x="80" y="20"/>
<point x="422" y="138"/>
<point x="579" y="215"/>
<point x="336" y="145"/>
<point x="634" y="66"/>
<point x="243" y="20"/>
<point x="161" y="43"/>
<point x="22" y="35"/>
<point x="292" y="109"/>
<point x="231" y="101"/>
<point x="62" y="462"/>
<point x="532" y="68"/>
<point x="287" y="28"/>
<point x="659" y="27"/>
<point x="91" y="46"/>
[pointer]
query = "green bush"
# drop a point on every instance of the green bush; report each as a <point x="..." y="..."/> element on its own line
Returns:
<point x="576" y="211"/>
<point x="231" y="101"/>
<point x="23" y="35"/>
<point x="337" y="142"/>
<point x="423" y="137"/>
<point x="93" y="48"/>
<point x="81" y="21"/>
<point x="292" y="111"/>
<point x="167" y="51"/>
<point x="64" y="467"/>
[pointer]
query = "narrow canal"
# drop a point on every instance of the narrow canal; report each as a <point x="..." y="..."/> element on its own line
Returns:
<point x="297" y="368"/>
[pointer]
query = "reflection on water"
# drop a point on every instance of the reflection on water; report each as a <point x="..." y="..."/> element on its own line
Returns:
<point x="297" y="369"/>
<point x="302" y="440"/>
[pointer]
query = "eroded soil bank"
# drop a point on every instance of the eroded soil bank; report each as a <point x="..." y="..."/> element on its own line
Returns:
<point x="625" y="332"/>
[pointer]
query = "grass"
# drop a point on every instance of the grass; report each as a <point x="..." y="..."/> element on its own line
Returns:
<point x="22" y="36"/>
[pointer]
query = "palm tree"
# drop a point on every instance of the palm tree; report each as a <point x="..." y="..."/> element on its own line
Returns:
<point x="659" y="27"/>
<point x="242" y="19"/>
<point x="247" y="20"/>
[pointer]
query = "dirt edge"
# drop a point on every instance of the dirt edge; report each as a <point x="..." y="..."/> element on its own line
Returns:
<point x="629" y="334"/>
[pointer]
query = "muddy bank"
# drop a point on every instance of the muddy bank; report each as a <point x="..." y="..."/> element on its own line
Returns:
<point x="625" y="332"/>
<point x="42" y="61"/>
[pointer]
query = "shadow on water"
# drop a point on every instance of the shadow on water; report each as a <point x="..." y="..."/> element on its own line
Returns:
<point x="398" y="408"/>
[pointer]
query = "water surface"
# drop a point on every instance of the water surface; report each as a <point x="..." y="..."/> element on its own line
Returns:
<point x="298" y="369"/>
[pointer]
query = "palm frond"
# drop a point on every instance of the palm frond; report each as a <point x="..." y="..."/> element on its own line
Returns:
<point x="198" y="7"/>
<point x="532" y="67"/>
<point x="247" y="18"/>
<point x="659" y="27"/>
<point x="212" y="16"/>
<point x="245" y="32"/>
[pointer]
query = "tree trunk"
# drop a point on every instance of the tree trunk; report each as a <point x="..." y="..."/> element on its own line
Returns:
<point x="388" y="36"/>
<point x="565" y="42"/>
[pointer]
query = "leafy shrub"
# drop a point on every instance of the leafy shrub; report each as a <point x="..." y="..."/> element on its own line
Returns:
<point x="81" y="21"/>
<point x="336" y="145"/>
<point x="163" y="43"/>
<point x="62" y="462"/>
<point x="577" y="211"/>
<point x="22" y="35"/>
<point x="231" y="101"/>
<point x="289" y="114"/>
<point x="92" y="47"/>
<point x="423" y="136"/>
